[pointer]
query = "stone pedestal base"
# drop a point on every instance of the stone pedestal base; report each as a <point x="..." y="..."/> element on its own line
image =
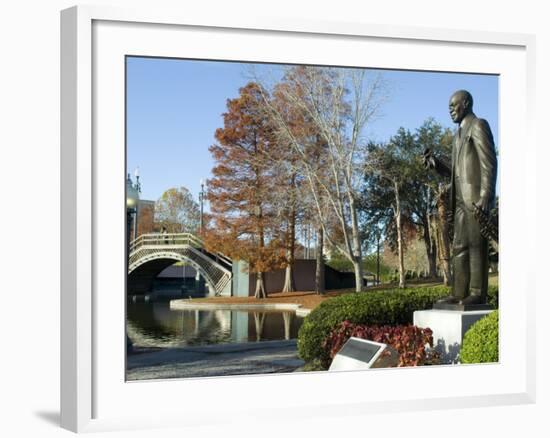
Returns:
<point x="462" y="307"/>
<point x="448" y="327"/>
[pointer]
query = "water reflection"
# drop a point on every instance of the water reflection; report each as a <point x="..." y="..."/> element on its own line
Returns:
<point x="153" y="324"/>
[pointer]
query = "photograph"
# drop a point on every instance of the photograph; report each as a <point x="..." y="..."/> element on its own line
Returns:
<point x="293" y="218"/>
<point x="281" y="220"/>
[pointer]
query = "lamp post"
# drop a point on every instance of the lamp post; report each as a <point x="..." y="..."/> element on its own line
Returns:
<point x="199" y="284"/>
<point x="132" y="198"/>
<point x="201" y="200"/>
<point x="137" y="187"/>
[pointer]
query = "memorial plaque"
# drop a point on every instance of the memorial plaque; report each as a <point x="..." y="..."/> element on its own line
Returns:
<point x="357" y="354"/>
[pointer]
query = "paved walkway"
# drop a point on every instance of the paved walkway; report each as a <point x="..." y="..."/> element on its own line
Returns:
<point x="215" y="360"/>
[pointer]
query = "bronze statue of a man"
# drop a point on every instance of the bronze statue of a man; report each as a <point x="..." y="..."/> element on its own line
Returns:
<point x="473" y="174"/>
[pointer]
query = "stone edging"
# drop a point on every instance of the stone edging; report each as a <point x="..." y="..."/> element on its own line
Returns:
<point x="302" y="311"/>
<point x="183" y="304"/>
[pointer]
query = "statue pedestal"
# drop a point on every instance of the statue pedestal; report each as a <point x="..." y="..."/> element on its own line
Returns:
<point x="448" y="327"/>
<point x="462" y="307"/>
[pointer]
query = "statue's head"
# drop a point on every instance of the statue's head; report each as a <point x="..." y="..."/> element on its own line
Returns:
<point x="460" y="105"/>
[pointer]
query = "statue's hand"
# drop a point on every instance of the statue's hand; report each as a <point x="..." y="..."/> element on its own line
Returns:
<point x="428" y="159"/>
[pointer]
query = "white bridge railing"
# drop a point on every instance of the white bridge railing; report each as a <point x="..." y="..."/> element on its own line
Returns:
<point x="166" y="239"/>
<point x="216" y="268"/>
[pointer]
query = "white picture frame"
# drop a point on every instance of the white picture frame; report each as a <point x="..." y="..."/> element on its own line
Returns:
<point x="94" y="395"/>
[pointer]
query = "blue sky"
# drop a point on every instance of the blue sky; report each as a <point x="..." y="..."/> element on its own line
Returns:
<point x="174" y="107"/>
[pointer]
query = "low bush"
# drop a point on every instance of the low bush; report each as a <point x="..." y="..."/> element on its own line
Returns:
<point x="480" y="342"/>
<point x="378" y="307"/>
<point x="381" y="307"/>
<point x="408" y="340"/>
<point x="314" y="365"/>
<point x="492" y="296"/>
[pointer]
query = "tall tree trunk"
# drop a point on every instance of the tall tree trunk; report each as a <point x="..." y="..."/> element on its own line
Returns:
<point x="356" y="242"/>
<point x="320" y="264"/>
<point x="358" y="270"/>
<point x="444" y="237"/>
<point x="400" y="249"/>
<point x="260" y="286"/>
<point x="289" y="285"/>
<point x="377" y="257"/>
<point x="260" y="281"/>
<point x="431" y="251"/>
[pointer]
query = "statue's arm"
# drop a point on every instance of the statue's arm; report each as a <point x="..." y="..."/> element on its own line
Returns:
<point x="431" y="162"/>
<point x="482" y="139"/>
<point x="442" y="168"/>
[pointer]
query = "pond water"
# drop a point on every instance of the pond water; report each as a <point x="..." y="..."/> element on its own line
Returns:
<point x="154" y="324"/>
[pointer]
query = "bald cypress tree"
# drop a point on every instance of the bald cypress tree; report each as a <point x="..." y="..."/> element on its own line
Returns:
<point x="242" y="223"/>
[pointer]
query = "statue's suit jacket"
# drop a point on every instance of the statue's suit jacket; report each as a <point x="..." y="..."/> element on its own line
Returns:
<point x="474" y="163"/>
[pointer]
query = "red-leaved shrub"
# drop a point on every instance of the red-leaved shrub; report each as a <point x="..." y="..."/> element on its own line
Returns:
<point x="408" y="340"/>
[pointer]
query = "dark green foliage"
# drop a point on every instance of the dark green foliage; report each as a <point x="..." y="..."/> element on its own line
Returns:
<point x="492" y="296"/>
<point x="369" y="264"/>
<point x="314" y="365"/>
<point x="480" y="342"/>
<point x="383" y="307"/>
<point x="342" y="264"/>
<point x="400" y="161"/>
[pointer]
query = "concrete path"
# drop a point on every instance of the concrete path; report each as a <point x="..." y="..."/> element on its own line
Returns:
<point x="215" y="360"/>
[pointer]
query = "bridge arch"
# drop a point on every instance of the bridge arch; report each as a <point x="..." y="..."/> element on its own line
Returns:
<point x="150" y="254"/>
<point x="143" y="272"/>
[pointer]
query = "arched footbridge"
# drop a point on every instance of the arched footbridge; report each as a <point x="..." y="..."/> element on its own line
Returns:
<point x="150" y="254"/>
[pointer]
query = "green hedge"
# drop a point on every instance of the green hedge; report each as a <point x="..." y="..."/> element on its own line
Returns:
<point x="480" y="342"/>
<point x="492" y="296"/>
<point x="380" y="307"/>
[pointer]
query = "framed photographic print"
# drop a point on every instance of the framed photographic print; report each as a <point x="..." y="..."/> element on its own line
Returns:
<point x="240" y="199"/>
